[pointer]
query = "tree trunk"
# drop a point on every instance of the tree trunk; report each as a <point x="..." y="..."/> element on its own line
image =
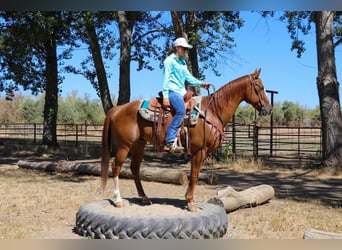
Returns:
<point x="190" y="21"/>
<point x="99" y="66"/>
<point x="328" y="91"/>
<point x="51" y="94"/>
<point x="178" y="25"/>
<point x="182" y="31"/>
<point x="126" y="23"/>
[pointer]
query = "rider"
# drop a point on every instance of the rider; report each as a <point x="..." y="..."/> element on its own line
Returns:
<point x="176" y="73"/>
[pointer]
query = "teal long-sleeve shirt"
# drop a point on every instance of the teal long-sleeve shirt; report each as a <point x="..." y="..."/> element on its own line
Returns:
<point x="175" y="75"/>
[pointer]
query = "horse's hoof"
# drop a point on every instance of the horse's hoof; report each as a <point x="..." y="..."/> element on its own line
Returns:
<point x="146" y="201"/>
<point x="119" y="204"/>
<point x="191" y="207"/>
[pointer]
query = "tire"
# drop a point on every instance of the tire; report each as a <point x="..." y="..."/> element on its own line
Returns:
<point x="95" y="221"/>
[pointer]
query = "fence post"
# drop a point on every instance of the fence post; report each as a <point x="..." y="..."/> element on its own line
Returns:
<point x="233" y="137"/>
<point x="86" y="137"/>
<point x="271" y="122"/>
<point x="255" y="141"/>
<point x="34" y="133"/>
<point x="76" y="135"/>
<point x="298" y="141"/>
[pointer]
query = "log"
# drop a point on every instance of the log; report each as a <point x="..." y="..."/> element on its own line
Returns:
<point x="208" y="177"/>
<point x="146" y="173"/>
<point x="232" y="200"/>
<point x="157" y="174"/>
<point x="318" y="234"/>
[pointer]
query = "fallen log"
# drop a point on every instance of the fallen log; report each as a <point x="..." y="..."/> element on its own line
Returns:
<point x="231" y="199"/>
<point x="157" y="174"/>
<point x="146" y="173"/>
<point x="207" y="177"/>
<point x="318" y="234"/>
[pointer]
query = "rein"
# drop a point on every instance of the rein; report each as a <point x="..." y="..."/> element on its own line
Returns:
<point x="210" y="121"/>
<point x="211" y="178"/>
<point x="213" y="99"/>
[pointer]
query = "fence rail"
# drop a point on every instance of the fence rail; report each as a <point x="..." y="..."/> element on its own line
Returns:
<point x="288" y="142"/>
<point x="242" y="140"/>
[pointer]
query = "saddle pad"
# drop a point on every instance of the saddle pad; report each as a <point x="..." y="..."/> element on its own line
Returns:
<point x="153" y="116"/>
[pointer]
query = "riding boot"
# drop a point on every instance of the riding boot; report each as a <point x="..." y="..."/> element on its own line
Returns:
<point x="173" y="147"/>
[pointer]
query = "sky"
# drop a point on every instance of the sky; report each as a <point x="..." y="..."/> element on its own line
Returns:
<point x="260" y="43"/>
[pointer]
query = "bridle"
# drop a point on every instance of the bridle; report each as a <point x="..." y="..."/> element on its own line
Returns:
<point x="258" y="90"/>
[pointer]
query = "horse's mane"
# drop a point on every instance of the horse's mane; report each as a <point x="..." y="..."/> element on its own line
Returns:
<point x="224" y="93"/>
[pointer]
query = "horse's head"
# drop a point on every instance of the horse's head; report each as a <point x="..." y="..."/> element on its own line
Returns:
<point x="256" y="95"/>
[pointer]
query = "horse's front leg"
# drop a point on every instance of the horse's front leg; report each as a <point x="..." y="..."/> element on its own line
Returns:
<point x="196" y="164"/>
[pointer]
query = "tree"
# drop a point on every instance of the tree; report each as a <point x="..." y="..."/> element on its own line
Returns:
<point x="8" y="110"/>
<point x="28" y="47"/>
<point x="328" y="90"/>
<point x="99" y="65"/>
<point x="181" y="30"/>
<point x="328" y="29"/>
<point x="88" y="25"/>
<point x="126" y="21"/>
<point x="209" y="33"/>
<point x="292" y="112"/>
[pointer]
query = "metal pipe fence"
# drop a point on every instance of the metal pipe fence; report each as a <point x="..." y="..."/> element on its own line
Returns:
<point x="299" y="142"/>
<point x="240" y="139"/>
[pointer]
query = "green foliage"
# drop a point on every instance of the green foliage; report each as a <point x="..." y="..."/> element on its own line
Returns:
<point x="300" y="23"/>
<point x="278" y="114"/>
<point x="226" y="151"/>
<point x="285" y="113"/>
<point x="245" y="114"/>
<point x="32" y="109"/>
<point x="106" y="37"/>
<point x="214" y="37"/>
<point x="23" y="39"/>
<point x="292" y="112"/>
<point x="72" y="110"/>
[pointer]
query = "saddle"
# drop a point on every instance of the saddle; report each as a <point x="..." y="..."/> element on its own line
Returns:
<point x="151" y="109"/>
<point x="154" y="111"/>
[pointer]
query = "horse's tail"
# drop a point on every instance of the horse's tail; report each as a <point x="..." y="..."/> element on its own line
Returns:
<point x="106" y="148"/>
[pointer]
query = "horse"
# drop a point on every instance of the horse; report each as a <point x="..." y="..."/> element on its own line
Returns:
<point x="130" y="132"/>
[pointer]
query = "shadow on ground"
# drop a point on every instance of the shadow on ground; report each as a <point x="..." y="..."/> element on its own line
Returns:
<point x="299" y="187"/>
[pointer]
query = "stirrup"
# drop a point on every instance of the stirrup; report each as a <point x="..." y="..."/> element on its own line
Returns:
<point x="172" y="147"/>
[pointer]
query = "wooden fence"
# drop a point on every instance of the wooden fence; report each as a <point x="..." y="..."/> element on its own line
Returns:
<point x="240" y="139"/>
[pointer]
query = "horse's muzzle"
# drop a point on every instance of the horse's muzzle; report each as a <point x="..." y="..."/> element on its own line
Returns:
<point x="266" y="110"/>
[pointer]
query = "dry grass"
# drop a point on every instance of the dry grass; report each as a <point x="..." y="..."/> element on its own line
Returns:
<point x="37" y="205"/>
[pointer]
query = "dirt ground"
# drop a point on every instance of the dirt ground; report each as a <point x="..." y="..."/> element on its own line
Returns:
<point x="42" y="205"/>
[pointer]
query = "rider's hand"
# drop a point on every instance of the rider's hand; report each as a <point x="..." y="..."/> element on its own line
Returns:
<point x="166" y="103"/>
<point x="205" y="85"/>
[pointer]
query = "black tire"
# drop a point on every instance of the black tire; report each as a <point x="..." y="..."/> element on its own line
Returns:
<point x="94" y="221"/>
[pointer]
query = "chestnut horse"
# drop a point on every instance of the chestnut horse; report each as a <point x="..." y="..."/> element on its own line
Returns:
<point x="130" y="132"/>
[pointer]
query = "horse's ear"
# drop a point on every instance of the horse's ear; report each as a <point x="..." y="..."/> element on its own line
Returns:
<point x="256" y="73"/>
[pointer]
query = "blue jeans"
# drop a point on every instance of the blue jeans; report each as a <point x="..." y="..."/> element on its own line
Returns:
<point x="177" y="103"/>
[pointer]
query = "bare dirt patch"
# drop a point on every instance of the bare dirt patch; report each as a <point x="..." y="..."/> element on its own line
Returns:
<point x="40" y="205"/>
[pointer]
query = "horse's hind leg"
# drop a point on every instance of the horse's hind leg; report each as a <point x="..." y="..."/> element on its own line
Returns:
<point x="120" y="158"/>
<point x="137" y="151"/>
